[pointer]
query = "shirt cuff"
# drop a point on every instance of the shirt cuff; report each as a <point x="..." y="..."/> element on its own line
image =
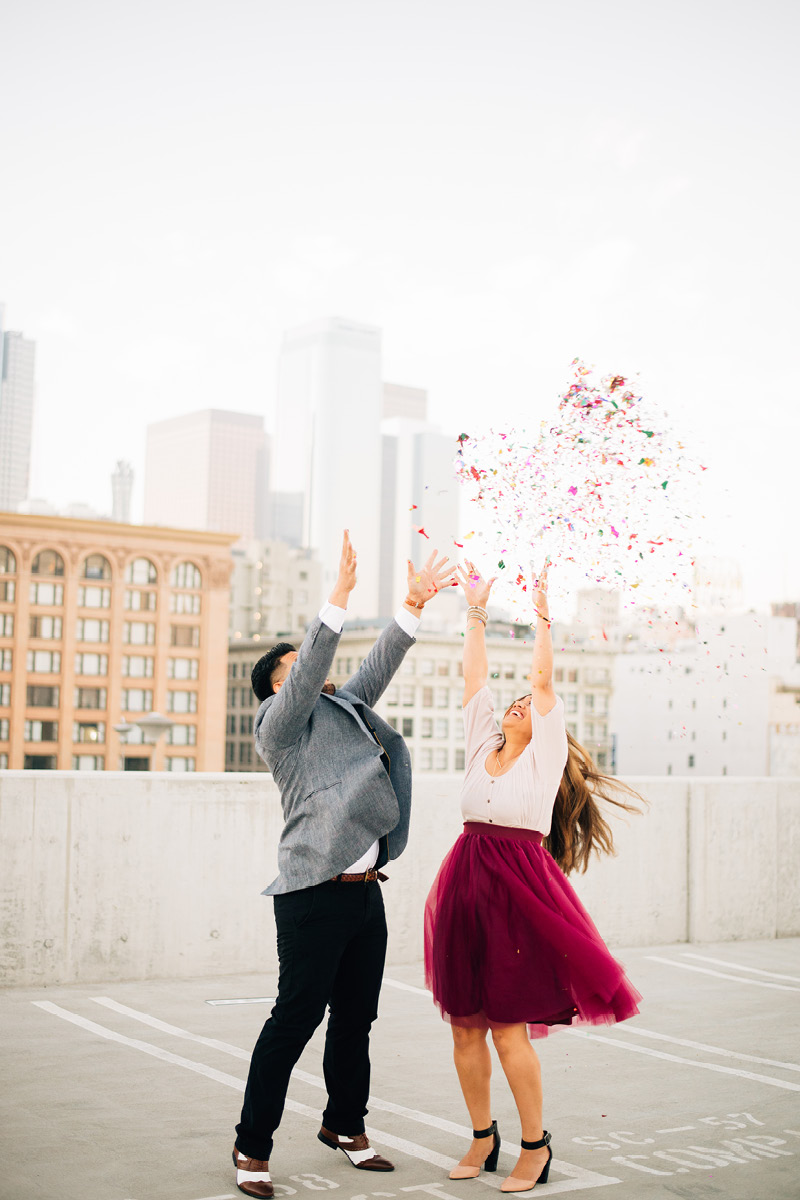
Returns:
<point x="408" y="623"/>
<point x="332" y="616"/>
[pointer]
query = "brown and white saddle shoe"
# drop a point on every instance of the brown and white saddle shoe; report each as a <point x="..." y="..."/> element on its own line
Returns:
<point x="252" y="1175"/>
<point x="357" y="1149"/>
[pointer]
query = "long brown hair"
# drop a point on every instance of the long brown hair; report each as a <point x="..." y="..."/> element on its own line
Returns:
<point x="578" y="827"/>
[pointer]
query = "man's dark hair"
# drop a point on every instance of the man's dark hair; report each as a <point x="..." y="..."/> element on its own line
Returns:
<point x="265" y="669"/>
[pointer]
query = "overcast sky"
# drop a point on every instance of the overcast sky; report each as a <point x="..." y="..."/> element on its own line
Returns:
<point x="501" y="185"/>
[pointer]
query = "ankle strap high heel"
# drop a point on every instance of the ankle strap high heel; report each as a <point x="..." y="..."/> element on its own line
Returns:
<point x="543" y="1141"/>
<point x="491" y="1162"/>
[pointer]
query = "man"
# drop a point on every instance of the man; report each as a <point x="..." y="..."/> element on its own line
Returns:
<point x="345" y="781"/>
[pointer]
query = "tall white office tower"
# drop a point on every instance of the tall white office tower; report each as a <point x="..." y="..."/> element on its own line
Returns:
<point x="208" y="470"/>
<point x="16" y="416"/>
<point x="121" y="489"/>
<point x="419" y="492"/>
<point x="328" y="445"/>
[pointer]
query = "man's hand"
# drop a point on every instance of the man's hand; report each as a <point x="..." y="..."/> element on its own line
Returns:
<point x="425" y="582"/>
<point x="347" y="574"/>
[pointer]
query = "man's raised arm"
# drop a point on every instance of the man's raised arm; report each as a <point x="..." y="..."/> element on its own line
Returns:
<point x="375" y="673"/>
<point x="298" y="691"/>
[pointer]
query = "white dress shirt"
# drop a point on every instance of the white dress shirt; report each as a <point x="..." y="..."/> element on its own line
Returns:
<point x="333" y="616"/>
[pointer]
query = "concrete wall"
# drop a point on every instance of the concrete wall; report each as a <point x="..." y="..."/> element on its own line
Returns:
<point x="135" y="876"/>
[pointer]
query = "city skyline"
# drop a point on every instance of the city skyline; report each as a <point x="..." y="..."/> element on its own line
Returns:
<point x="548" y="189"/>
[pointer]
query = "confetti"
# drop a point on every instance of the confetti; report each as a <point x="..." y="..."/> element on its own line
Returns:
<point x="605" y="487"/>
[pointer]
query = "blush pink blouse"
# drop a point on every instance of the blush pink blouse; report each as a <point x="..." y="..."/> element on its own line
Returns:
<point x="523" y="798"/>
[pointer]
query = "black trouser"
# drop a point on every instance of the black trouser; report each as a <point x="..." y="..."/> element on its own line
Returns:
<point x="331" y="949"/>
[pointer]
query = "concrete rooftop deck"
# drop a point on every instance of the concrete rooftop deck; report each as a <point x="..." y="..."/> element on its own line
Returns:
<point x="135" y="1097"/>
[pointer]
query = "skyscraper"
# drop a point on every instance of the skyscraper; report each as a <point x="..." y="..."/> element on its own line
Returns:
<point x="208" y="470"/>
<point x="121" y="488"/>
<point x="328" y="445"/>
<point x="16" y="416"/>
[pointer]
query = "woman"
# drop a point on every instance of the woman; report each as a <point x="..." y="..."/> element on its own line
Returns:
<point x="508" y="944"/>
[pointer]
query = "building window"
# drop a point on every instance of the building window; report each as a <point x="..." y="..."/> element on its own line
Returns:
<point x="40" y="762"/>
<point x="87" y="697"/>
<point x="245" y="754"/>
<point x="392" y="693"/>
<point x="136" y="601"/>
<point x="137" y="666"/>
<point x="5" y="695"/>
<point x="691" y="760"/>
<point x="3" y="762"/>
<point x="442" y="697"/>
<point x="601" y="759"/>
<point x="572" y="675"/>
<point x="183" y="668"/>
<point x="7" y="624"/>
<point x="571" y="702"/>
<point x="427" y="727"/>
<point x="245" y="697"/>
<point x="47" y="593"/>
<point x="558" y="675"/>
<point x="245" y="725"/>
<point x="231" y="727"/>
<point x="139" y="633"/>
<point x="408" y="727"/>
<point x="182" y="735"/>
<point x="572" y="728"/>
<point x="141" y="572"/>
<point x="440" y="759"/>
<point x="669" y="768"/>
<point x="47" y="562"/>
<point x="91" y="664"/>
<point x="48" y="629"/>
<point x="181" y="764"/>
<point x="407" y="695"/>
<point x="186" y="575"/>
<point x="588" y="731"/>
<point x="588" y="702"/>
<point x="232" y="694"/>
<point x="724" y="770"/>
<point x="41" y="731"/>
<point x="3" y="729"/>
<point x="184" y="635"/>
<point x="182" y="702"/>
<point x="426" y="666"/>
<point x="89" y="731"/>
<point x="459" y="759"/>
<point x="8" y="590"/>
<point x="90" y="629"/>
<point x="441" y="728"/>
<point x="427" y="697"/>
<point x="409" y="666"/>
<point x="137" y="699"/>
<point x="96" y="566"/>
<point x="88" y="762"/>
<point x="93" y="597"/>
<point x="42" y="662"/>
<point x="426" y="759"/>
<point x="8" y="563"/>
<point x="230" y="754"/>
<point x="7" y="660"/>
<point x="185" y="602"/>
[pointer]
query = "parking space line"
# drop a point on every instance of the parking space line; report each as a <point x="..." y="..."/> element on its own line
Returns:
<point x="407" y="987"/>
<point x="670" y="962"/>
<point x="740" y="967"/>
<point x="685" y="1062"/>
<point x="578" y="1178"/>
<point x="400" y="1110"/>
<point x="664" y="1037"/>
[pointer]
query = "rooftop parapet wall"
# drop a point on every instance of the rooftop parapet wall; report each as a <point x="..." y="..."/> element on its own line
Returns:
<point x="138" y="876"/>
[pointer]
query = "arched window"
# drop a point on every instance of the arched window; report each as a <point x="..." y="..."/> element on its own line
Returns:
<point x="186" y="575"/>
<point x="141" y="571"/>
<point x="96" y="566"/>
<point x="8" y="563"/>
<point x="47" y="562"/>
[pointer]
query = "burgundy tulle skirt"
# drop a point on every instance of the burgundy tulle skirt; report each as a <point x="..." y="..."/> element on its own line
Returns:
<point x="508" y="941"/>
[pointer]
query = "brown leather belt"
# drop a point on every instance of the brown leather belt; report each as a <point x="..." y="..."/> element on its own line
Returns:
<point x="371" y="876"/>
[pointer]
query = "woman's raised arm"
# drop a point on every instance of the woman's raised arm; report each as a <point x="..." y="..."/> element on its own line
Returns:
<point x="476" y="664"/>
<point x="542" y="695"/>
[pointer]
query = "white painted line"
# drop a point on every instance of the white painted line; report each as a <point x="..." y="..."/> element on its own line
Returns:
<point x="663" y="1037"/>
<point x="244" y="1000"/>
<point x="407" y="987"/>
<point x="677" y="1129"/>
<point x="781" y="987"/>
<point x="740" y="967"/>
<point x="400" y="1110"/>
<point x="686" y="1062"/>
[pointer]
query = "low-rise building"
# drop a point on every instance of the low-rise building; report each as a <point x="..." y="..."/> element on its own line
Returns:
<point x="100" y="624"/>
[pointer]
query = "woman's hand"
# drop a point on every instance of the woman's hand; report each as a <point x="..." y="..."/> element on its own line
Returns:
<point x="539" y="585"/>
<point x="476" y="588"/>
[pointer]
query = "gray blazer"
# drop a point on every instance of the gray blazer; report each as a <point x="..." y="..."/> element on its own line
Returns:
<point x="336" y="795"/>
